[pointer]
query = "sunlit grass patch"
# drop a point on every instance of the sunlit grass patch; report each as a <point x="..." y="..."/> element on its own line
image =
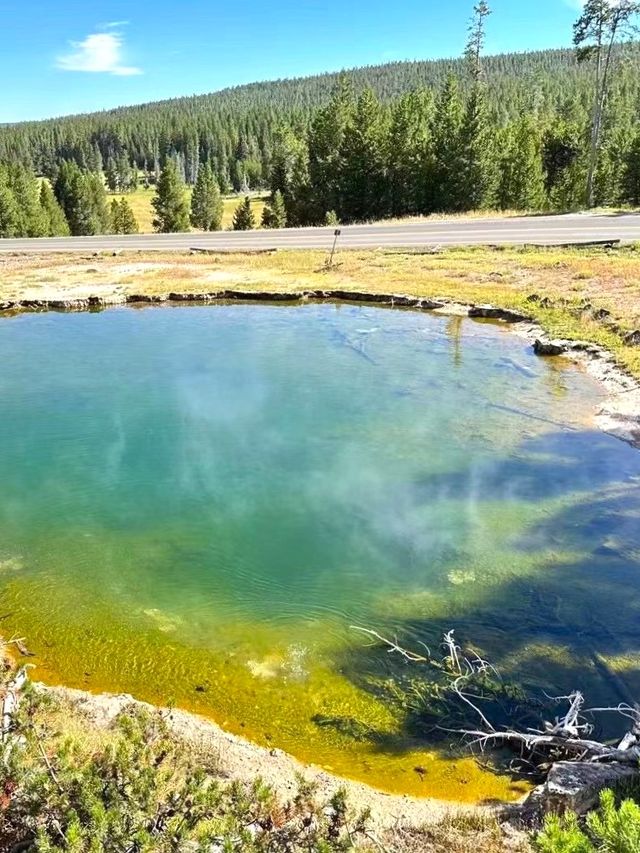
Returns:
<point x="141" y="199"/>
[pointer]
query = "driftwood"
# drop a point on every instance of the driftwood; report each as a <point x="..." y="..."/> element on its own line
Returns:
<point x="473" y="683"/>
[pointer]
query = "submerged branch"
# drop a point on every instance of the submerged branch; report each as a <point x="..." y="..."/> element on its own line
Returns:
<point x="393" y="646"/>
<point x="463" y="687"/>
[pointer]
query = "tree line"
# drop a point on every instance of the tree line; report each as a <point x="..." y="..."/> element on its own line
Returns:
<point x="76" y="204"/>
<point x="237" y="130"/>
<point x="444" y="151"/>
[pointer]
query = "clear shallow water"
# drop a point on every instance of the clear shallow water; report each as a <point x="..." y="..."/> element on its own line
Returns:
<point x="197" y="503"/>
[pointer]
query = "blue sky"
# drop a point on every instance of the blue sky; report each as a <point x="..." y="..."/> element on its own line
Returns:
<point x="66" y="56"/>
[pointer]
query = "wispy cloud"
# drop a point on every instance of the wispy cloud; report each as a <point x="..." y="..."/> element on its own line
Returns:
<point x="98" y="53"/>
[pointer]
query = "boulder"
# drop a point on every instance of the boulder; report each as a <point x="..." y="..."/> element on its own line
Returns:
<point x="576" y="786"/>
<point x="549" y="347"/>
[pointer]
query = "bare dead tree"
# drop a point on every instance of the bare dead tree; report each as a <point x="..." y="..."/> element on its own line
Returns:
<point x="602" y="24"/>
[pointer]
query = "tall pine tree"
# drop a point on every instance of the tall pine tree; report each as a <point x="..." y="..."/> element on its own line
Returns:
<point x="326" y="136"/>
<point x="478" y="164"/>
<point x="407" y="147"/>
<point x="362" y="170"/>
<point x="290" y="177"/>
<point x="445" y="187"/>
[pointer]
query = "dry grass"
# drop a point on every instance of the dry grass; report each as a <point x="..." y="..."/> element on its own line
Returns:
<point x="460" y="832"/>
<point x="140" y="202"/>
<point x="564" y="289"/>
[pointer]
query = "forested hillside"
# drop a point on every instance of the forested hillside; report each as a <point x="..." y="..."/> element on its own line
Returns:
<point x="235" y="129"/>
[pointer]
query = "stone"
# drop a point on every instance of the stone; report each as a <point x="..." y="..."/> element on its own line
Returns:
<point x="576" y="786"/>
<point x="541" y="347"/>
<point x="493" y="313"/>
<point x="632" y="339"/>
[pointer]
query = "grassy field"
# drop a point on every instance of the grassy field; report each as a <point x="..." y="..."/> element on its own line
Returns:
<point x="140" y="202"/>
<point x="566" y="290"/>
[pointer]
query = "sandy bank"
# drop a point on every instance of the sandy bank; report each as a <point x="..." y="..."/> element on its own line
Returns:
<point x="241" y="760"/>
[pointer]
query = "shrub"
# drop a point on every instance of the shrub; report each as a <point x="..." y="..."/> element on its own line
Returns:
<point x="137" y="788"/>
<point x="612" y="829"/>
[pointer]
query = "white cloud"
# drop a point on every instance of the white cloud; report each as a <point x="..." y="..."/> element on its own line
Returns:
<point x="99" y="53"/>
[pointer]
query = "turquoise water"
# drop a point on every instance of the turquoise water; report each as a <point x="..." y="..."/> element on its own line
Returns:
<point x="196" y="503"/>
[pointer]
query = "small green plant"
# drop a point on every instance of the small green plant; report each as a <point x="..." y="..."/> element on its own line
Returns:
<point x="612" y="829"/>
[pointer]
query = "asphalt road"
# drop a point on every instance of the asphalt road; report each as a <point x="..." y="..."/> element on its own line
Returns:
<point x="535" y="230"/>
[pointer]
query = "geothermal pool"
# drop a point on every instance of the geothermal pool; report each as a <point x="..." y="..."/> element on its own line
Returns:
<point x="196" y="503"/>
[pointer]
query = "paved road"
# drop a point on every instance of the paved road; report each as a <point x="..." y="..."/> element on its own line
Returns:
<point x="540" y="230"/>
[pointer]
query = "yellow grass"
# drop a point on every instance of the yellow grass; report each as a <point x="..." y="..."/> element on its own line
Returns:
<point x="140" y="202"/>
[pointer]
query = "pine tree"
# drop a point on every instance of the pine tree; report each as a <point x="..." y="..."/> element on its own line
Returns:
<point x="123" y="220"/>
<point x="243" y="218"/>
<point x="55" y="222"/>
<point x="564" y="159"/>
<point x="170" y="202"/>
<point x="111" y="175"/>
<point x="326" y="136"/>
<point x="631" y="173"/>
<point x="362" y="168"/>
<point x="83" y="199"/>
<point x="478" y="175"/>
<point x="475" y="43"/>
<point x="26" y="190"/>
<point x="407" y="145"/>
<point x="206" y="201"/>
<point x="522" y="178"/>
<point x="128" y="222"/>
<point x="115" y="216"/>
<point x="126" y="177"/>
<point x="99" y="203"/>
<point x="8" y="209"/>
<point x="445" y="190"/>
<point x="274" y="214"/>
<point x="290" y="177"/>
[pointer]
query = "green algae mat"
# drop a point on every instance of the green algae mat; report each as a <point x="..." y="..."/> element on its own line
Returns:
<point x="197" y="503"/>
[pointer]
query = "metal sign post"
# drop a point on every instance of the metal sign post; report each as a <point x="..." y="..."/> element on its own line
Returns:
<point x="336" y="234"/>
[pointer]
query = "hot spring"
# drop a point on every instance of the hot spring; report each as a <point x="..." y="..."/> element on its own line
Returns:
<point x="197" y="503"/>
